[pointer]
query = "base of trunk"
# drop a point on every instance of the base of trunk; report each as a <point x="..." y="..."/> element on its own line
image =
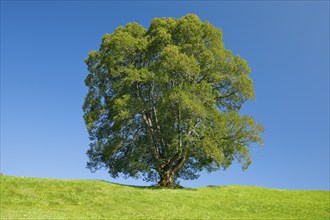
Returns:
<point x="167" y="180"/>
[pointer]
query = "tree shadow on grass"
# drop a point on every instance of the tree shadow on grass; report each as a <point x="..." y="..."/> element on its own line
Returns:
<point x="151" y="187"/>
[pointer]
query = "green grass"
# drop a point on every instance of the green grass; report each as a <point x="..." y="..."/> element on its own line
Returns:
<point x="35" y="198"/>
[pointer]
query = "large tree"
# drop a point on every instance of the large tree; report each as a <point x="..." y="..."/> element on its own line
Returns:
<point x="164" y="103"/>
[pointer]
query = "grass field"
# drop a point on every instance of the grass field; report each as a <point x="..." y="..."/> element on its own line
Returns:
<point x="34" y="198"/>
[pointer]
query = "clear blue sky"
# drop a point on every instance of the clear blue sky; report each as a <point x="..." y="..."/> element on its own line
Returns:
<point x="44" y="44"/>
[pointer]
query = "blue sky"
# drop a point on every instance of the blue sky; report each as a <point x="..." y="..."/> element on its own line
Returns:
<point x="44" y="44"/>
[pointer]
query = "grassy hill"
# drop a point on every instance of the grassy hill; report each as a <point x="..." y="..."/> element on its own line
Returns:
<point x="34" y="198"/>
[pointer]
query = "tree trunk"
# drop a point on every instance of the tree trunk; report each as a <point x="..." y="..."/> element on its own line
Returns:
<point x="167" y="179"/>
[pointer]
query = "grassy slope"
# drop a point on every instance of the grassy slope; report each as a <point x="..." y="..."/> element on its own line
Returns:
<point x="78" y="199"/>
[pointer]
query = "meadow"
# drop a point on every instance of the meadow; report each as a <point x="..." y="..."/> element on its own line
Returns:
<point x="37" y="198"/>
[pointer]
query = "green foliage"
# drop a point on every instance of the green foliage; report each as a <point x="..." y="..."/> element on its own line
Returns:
<point x="164" y="103"/>
<point x="33" y="198"/>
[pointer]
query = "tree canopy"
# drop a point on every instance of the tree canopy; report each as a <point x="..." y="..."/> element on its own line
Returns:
<point x="163" y="103"/>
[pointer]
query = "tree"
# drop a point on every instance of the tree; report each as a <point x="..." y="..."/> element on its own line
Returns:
<point x="164" y="103"/>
